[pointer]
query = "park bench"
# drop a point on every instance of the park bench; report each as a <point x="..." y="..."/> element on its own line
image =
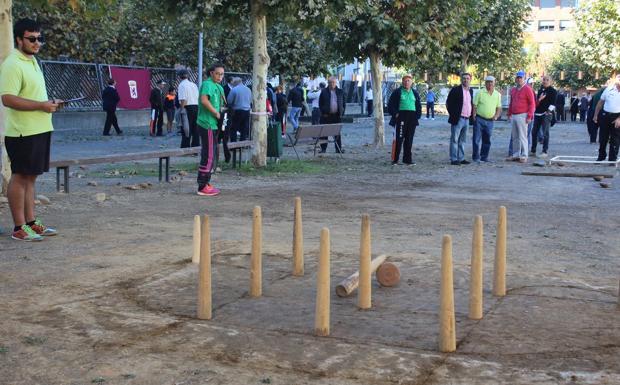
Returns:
<point x="163" y="155"/>
<point x="235" y="147"/>
<point x="314" y="133"/>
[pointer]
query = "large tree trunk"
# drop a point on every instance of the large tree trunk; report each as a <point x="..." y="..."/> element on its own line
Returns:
<point x="259" y="83"/>
<point x="6" y="45"/>
<point x="377" y="79"/>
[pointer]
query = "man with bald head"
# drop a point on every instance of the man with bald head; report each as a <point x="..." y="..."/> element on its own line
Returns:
<point x="332" y="106"/>
<point x="545" y="107"/>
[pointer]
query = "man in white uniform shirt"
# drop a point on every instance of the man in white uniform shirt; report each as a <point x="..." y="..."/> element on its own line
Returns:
<point x="610" y="120"/>
<point x="188" y="99"/>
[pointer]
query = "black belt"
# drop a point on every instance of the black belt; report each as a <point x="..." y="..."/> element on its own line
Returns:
<point x="464" y="117"/>
<point x="488" y="120"/>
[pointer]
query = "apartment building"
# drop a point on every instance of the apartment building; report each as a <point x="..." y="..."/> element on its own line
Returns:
<point x="550" y="21"/>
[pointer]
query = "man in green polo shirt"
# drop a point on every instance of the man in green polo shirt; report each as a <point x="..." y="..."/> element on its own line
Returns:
<point x="28" y="125"/>
<point x="487" y="108"/>
<point x="211" y="101"/>
<point x="406" y="109"/>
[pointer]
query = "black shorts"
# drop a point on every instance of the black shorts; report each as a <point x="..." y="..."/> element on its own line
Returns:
<point x="29" y="155"/>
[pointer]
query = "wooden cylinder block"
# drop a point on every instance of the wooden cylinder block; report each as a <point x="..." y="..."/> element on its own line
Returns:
<point x="388" y="274"/>
<point x="499" y="274"/>
<point x="364" y="295"/>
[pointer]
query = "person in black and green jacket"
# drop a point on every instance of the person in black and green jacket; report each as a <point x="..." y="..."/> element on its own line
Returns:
<point x="406" y="109"/>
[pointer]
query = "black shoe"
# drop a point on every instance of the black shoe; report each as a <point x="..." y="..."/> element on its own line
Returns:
<point x="322" y="151"/>
<point x="106" y="134"/>
<point x="412" y="163"/>
<point x="339" y="151"/>
<point x="119" y="133"/>
<point x="455" y="163"/>
<point x="465" y="162"/>
<point x="395" y="163"/>
<point x="600" y="159"/>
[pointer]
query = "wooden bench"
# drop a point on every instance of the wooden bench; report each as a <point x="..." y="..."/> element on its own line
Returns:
<point x="164" y="157"/>
<point x="239" y="147"/>
<point x="315" y="133"/>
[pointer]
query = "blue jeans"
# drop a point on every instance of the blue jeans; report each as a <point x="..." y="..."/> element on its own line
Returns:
<point x="293" y="116"/>
<point x="482" y="130"/>
<point x="457" y="140"/>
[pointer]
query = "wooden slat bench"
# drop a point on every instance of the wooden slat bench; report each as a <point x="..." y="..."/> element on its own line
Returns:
<point x="164" y="157"/>
<point x="314" y="133"/>
<point x="239" y="147"/>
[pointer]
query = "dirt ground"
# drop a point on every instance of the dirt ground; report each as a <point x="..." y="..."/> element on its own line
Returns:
<point x="112" y="299"/>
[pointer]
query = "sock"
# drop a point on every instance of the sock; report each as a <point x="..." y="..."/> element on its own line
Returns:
<point x="17" y="228"/>
<point x="201" y="186"/>
<point x="30" y="223"/>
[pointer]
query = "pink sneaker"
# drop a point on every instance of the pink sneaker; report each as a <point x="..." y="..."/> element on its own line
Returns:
<point x="208" y="190"/>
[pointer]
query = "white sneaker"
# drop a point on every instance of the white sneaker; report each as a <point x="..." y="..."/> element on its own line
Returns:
<point x="543" y="155"/>
<point x="432" y="118"/>
<point x="425" y="118"/>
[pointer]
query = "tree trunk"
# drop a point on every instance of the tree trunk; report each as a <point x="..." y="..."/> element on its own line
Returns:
<point x="259" y="83"/>
<point x="377" y="81"/>
<point x="464" y="63"/>
<point x="6" y="45"/>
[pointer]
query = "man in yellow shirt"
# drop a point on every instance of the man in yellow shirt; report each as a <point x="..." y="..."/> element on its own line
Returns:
<point x="28" y="125"/>
<point x="487" y="108"/>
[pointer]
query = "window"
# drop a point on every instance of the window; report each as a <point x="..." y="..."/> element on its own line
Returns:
<point x="546" y="25"/>
<point x="568" y="3"/>
<point x="547" y="3"/>
<point x="566" y="24"/>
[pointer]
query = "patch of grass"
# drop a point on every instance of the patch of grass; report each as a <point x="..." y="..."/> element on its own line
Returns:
<point x="288" y="167"/>
<point x="98" y="380"/>
<point x="265" y="381"/>
<point x="34" y="340"/>
<point x="4" y="350"/>
<point x="143" y="169"/>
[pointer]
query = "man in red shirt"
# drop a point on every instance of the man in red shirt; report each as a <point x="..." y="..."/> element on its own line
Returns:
<point x="520" y="113"/>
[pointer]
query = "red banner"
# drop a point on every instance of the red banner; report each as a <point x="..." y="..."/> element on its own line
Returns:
<point x="133" y="86"/>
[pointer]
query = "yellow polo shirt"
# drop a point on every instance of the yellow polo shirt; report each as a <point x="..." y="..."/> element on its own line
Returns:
<point x="487" y="104"/>
<point x="21" y="76"/>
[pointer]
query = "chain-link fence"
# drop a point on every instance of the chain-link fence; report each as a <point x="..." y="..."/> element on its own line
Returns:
<point x="69" y="80"/>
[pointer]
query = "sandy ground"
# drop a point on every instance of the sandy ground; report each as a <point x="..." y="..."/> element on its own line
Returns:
<point x="112" y="299"/>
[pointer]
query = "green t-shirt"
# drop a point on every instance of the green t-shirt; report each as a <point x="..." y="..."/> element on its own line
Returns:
<point x="487" y="104"/>
<point x="407" y="100"/>
<point x="21" y="76"/>
<point x="215" y="92"/>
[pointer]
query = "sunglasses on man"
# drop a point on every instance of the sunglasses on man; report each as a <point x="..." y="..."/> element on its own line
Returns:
<point x="33" y="39"/>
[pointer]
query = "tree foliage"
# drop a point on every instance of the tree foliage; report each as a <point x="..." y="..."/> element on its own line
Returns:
<point x="597" y="34"/>
<point x="564" y="61"/>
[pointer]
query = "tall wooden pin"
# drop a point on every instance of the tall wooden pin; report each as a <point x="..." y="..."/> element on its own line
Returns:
<point x="499" y="275"/>
<point x="298" y="241"/>
<point x="475" y="283"/>
<point x="321" y="322"/>
<point x="447" y="322"/>
<point x="204" y="275"/>
<point x="365" y="287"/>
<point x="196" y="240"/>
<point x="256" y="273"/>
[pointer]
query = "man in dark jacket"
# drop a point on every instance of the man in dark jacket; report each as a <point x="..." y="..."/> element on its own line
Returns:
<point x="332" y="106"/>
<point x="460" y="107"/>
<point x="157" y="108"/>
<point x="110" y="99"/>
<point x="560" y="100"/>
<point x="545" y="106"/>
<point x="296" y="97"/>
<point x="406" y="109"/>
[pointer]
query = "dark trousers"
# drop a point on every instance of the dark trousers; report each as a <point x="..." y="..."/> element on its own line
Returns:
<point x="582" y="115"/>
<point x="157" y="121"/>
<point x="405" y="129"/>
<point x="281" y="117"/>
<point x="430" y="109"/>
<point x="561" y="113"/>
<point x="223" y="137"/>
<point x="316" y="115"/>
<point x="609" y="132"/>
<point x="331" y="119"/>
<point x="592" y="127"/>
<point x="208" y="155"/>
<point x="110" y="120"/>
<point x="192" y="117"/>
<point x="369" y="107"/>
<point x="573" y="116"/>
<point x="241" y="124"/>
<point x="541" y="123"/>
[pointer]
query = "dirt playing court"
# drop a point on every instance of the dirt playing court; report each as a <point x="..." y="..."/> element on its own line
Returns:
<point x="112" y="299"/>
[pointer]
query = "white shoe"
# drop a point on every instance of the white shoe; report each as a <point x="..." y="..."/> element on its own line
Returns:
<point x="543" y="155"/>
<point x="432" y="118"/>
<point x="425" y="118"/>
